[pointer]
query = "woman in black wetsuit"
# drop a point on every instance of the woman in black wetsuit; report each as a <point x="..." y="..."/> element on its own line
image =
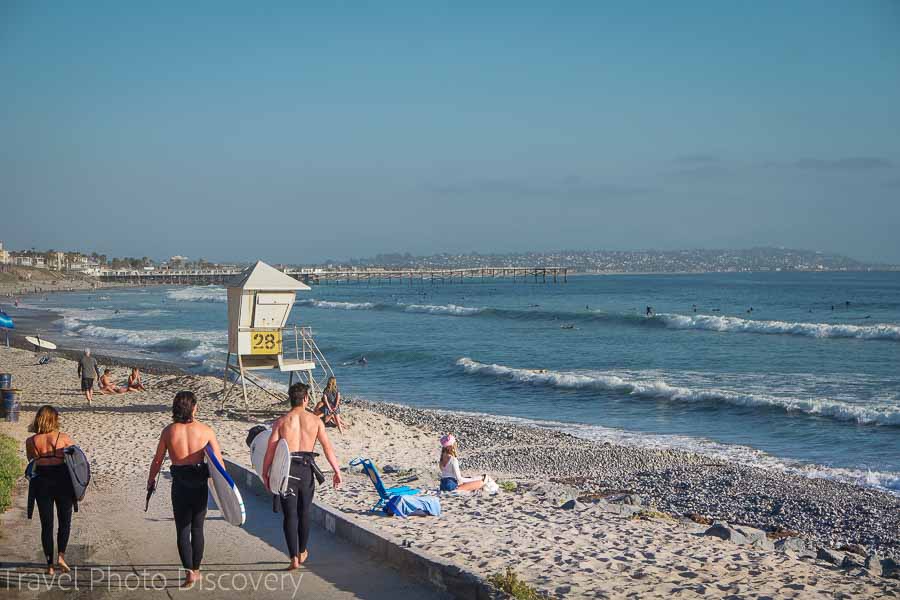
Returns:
<point x="51" y="484"/>
<point x="185" y="440"/>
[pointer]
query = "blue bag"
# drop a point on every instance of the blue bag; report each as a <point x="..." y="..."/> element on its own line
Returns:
<point x="408" y="506"/>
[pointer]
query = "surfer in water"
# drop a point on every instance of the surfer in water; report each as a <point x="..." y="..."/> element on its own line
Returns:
<point x="185" y="440"/>
<point x="51" y="483"/>
<point x="649" y="311"/>
<point x="301" y="430"/>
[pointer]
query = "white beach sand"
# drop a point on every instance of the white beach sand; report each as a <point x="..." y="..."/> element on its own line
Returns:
<point x="566" y="553"/>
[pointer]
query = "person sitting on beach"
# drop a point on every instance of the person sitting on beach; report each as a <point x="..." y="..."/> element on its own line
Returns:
<point x="329" y="407"/>
<point x="52" y="482"/>
<point x="185" y="440"/>
<point x="451" y="478"/>
<point x="301" y="430"/>
<point x="87" y="368"/>
<point x="107" y="386"/>
<point x="134" y="381"/>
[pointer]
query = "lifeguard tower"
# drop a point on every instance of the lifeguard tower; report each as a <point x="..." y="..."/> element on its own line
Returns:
<point x="259" y="304"/>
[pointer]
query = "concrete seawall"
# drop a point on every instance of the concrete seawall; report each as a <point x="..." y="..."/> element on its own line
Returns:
<point x="441" y="575"/>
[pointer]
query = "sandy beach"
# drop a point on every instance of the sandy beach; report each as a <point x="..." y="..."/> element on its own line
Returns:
<point x="620" y="546"/>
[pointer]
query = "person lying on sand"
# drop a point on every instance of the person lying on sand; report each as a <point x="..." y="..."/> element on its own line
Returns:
<point x="134" y="381"/>
<point x="451" y="478"/>
<point x="329" y="407"/>
<point x="107" y="386"/>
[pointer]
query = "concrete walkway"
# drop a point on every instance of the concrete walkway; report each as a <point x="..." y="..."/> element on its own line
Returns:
<point x="120" y="551"/>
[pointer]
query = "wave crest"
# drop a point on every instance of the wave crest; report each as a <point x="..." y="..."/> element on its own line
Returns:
<point x="817" y="330"/>
<point x="660" y="390"/>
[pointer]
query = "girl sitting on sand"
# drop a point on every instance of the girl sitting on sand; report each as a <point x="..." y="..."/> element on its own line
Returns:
<point x="451" y="478"/>
<point x="134" y="381"/>
<point x="329" y="407"/>
<point x="51" y="483"/>
<point x="107" y="386"/>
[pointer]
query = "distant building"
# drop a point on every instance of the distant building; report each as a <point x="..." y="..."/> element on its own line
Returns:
<point x="58" y="261"/>
<point x="4" y="255"/>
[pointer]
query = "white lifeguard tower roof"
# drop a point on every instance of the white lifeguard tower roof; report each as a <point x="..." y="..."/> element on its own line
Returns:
<point x="265" y="277"/>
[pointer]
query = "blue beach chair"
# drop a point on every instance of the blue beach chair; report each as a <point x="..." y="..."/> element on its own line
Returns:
<point x="384" y="494"/>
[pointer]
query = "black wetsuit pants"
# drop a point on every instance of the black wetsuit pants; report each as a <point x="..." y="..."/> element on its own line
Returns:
<point x="189" y="497"/>
<point x="295" y="504"/>
<point x="54" y="486"/>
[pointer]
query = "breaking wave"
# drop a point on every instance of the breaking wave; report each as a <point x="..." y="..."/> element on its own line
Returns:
<point x="879" y="331"/>
<point x="337" y="305"/>
<point x="817" y="330"/>
<point x="198" y="293"/>
<point x="658" y="389"/>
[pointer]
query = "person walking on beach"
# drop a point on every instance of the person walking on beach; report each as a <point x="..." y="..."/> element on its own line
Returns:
<point x="51" y="483"/>
<point x="329" y="407"/>
<point x="451" y="477"/>
<point x="87" y="368"/>
<point x="301" y="429"/>
<point x="185" y="440"/>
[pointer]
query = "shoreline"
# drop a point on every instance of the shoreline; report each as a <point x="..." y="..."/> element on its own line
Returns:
<point x="566" y="537"/>
<point x="682" y="482"/>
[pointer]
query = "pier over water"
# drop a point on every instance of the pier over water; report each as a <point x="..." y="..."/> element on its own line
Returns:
<point x="219" y="276"/>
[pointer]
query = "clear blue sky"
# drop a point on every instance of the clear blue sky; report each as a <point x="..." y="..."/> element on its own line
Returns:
<point x="298" y="131"/>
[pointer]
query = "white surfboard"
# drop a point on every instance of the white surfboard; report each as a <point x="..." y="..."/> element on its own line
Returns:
<point x="38" y="342"/>
<point x="224" y="490"/>
<point x="281" y="462"/>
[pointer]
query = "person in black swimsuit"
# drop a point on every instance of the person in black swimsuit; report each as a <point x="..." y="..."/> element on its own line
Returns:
<point x="50" y="483"/>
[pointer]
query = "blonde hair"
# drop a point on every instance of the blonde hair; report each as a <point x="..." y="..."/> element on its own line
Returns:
<point x="45" y="420"/>
<point x="447" y="452"/>
<point x="331" y="385"/>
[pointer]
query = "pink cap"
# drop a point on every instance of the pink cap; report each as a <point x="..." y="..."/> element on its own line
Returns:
<point x="448" y="440"/>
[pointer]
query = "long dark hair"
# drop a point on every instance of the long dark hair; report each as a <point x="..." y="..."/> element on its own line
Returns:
<point x="183" y="407"/>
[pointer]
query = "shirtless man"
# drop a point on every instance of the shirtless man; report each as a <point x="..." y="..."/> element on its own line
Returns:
<point x="185" y="440"/>
<point x="107" y="386"/>
<point x="301" y="429"/>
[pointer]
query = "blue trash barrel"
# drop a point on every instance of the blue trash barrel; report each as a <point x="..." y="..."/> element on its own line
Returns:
<point x="10" y="406"/>
<point x="5" y="380"/>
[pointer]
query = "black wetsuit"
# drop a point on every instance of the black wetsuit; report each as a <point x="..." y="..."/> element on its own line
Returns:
<point x="296" y="502"/>
<point x="189" y="497"/>
<point x="53" y="485"/>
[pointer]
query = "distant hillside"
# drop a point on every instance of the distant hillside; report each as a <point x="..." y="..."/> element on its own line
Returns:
<point x="636" y="261"/>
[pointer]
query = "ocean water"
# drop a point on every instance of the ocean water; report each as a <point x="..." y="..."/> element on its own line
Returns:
<point x="809" y="381"/>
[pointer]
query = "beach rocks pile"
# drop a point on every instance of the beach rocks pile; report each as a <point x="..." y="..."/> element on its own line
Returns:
<point x="828" y="513"/>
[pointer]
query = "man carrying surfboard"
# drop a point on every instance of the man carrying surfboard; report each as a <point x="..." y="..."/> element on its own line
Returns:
<point x="87" y="367"/>
<point x="301" y="430"/>
<point x="185" y="440"/>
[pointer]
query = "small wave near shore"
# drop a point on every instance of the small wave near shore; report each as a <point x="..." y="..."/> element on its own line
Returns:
<point x="661" y="390"/>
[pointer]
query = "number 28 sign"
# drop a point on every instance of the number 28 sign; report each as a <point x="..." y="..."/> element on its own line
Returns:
<point x="265" y="342"/>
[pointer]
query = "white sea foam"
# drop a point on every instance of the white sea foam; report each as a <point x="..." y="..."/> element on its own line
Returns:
<point x="441" y="309"/>
<point x="337" y="305"/>
<point x="432" y="309"/>
<point x="880" y="331"/>
<point x="206" y="293"/>
<point x="735" y="453"/>
<point x="156" y="337"/>
<point x="659" y="389"/>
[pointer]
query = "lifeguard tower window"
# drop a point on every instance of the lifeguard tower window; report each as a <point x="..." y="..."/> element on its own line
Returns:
<point x="271" y="310"/>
